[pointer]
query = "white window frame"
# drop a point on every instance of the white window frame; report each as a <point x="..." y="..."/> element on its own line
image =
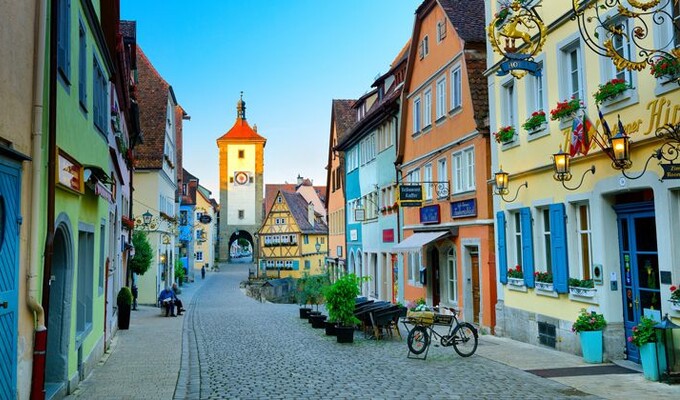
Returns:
<point x="608" y="70"/>
<point x="441" y="97"/>
<point x="427" y="108"/>
<point x="441" y="30"/>
<point x="584" y="232"/>
<point x="516" y="234"/>
<point x="452" y="275"/>
<point x="442" y="170"/>
<point x="544" y="247"/>
<point x="427" y="179"/>
<point x="417" y="117"/>
<point x="199" y="255"/>
<point x="456" y="87"/>
<point x="414" y="267"/>
<point x="463" y="170"/>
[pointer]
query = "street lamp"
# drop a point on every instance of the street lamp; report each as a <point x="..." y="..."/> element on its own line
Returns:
<point x="147" y="222"/>
<point x="317" y="246"/>
<point x="501" y="180"/>
<point x="562" y="168"/>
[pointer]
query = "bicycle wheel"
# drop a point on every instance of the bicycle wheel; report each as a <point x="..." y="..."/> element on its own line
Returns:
<point x="418" y="339"/>
<point x="465" y="339"/>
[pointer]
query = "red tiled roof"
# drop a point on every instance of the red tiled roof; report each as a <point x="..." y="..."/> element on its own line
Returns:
<point x="467" y="16"/>
<point x="152" y="96"/>
<point x="270" y="191"/>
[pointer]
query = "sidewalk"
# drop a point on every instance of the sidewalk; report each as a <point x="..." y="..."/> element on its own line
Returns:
<point x="144" y="361"/>
<point x="612" y="386"/>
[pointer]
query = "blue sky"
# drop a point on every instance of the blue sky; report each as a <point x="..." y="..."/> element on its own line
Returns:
<point x="290" y="58"/>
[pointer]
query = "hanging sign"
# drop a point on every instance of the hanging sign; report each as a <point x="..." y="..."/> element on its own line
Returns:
<point x="70" y="172"/>
<point x="517" y="33"/>
<point x="410" y="195"/>
<point x="671" y="171"/>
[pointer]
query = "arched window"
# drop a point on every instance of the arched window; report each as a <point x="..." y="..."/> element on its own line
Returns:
<point x="452" y="275"/>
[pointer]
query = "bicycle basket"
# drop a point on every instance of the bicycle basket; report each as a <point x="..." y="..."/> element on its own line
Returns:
<point x="421" y="317"/>
<point x="443" y="319"/>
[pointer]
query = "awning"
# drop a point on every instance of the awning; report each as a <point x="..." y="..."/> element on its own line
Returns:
<point x="418" y="240"/>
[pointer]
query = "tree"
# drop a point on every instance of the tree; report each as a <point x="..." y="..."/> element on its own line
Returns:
<point x="141" y="262"/>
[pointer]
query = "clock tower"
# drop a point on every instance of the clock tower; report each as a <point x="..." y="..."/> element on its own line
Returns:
<point x="241" y="153"/>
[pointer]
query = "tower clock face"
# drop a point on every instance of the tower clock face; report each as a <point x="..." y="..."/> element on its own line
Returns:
<point x="241" y="178"/>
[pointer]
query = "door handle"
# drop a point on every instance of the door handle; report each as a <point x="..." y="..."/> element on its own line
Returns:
<point x="4" y="305"/>
<point x="637" y="303"/>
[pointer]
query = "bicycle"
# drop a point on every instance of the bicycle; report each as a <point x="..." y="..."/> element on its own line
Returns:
<point x="463" y="336"/>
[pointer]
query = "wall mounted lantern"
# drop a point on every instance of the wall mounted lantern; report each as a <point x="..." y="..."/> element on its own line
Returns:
<point x="562" y="169"/>
<point x="501" y="183"/>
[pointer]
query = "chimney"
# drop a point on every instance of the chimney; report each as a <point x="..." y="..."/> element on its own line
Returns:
<point x="299" y="180"/>
<point x="310" y="213"/>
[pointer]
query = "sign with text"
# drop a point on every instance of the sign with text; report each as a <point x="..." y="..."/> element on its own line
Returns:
<point x="464" y="208"/>
<point x="410" y="195"/>
<point x="388" y="235"/>
<point x="671" y="171"/>
<point x="430" y="214"/>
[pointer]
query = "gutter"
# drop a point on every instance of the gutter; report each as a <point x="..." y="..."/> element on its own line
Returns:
<point x="40" y="337"/>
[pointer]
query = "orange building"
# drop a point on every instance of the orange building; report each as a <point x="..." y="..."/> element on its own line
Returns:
<point x="343" y="117"/>
<point x="447" y="254"/>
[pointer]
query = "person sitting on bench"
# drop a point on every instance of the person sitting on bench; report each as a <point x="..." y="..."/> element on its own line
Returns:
<point x="167" y="299"/>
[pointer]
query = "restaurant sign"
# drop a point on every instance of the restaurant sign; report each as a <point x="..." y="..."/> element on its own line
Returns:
<point x="410" y="195"/>
<point x="70" y="173"/>
<point x="671" y="171"/>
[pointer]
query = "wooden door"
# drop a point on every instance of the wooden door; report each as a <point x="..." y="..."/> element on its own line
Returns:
<point x="476" y="294"/>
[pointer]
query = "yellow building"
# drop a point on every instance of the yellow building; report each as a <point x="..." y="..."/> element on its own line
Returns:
<point x="617" y="231"/>
<point x="292" y="239"/>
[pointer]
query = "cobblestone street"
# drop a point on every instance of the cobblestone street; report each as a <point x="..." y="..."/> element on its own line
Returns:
<point x="242" y="348"/>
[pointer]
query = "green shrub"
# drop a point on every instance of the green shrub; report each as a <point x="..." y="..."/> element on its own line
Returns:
<point x="141" y="262"/>
<point x="179" y="271"/>
<point x="340" y="300"/>
<point x="124" y="296"/>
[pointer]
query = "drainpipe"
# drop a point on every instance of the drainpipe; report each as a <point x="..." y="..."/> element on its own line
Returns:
<point x="40" y="337"/>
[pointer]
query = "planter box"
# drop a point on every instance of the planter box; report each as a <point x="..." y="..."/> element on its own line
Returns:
<point x="516" y="282"/>
<point x="591" y="346"/>
<point x="545" y="286"/>
<point x="537" y="129"/>
<point x="675" y="306"/>
<point x="582" y="292"/>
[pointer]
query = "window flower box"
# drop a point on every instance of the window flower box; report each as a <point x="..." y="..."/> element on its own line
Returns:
<point x="582" y="291"/>
<point x="536" y="122"/>
<point x="518" y="282"/>
<point x="675" y="305"/>
<point x="611" y="91"/>
<point x="666" y="67"/>
<point x="544" y="286"/>
<point x="566" y="109"/>
<point x="505" y="135"/>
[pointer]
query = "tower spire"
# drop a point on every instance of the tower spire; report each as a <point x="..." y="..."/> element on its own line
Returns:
<point x="241" y="108"/>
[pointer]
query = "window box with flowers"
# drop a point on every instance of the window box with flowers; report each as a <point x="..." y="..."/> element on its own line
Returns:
<point x="505" y="135"/>
<point x="582" y="288"/>
<point x="544" y="281"/>
<point x="612" y="91"/>
<point x="536" y="123"/>
<point x="565" y="111"/>
<point x="666" y="68"/>
<point x="675" y="298"/>
<point x="516" y="277"/>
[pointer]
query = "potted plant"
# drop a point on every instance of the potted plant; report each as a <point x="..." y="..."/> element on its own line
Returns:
<point x="644" y="338"/>
<point x="179" y="272"/>
<point x="516" y="276"/>
<point x="611" y="90"/>
<point x="535" y="122"/>
<point x="675" y="298"/>
<point x="665" y="66"/>
<point x="565" y="109"/>
<point x="124" y="302"/>
<point x="301" y="296"/>
<point x="582" y="287"/>
<point x="340" y="300"/>
<point x="589" y="326"/>
<point x="543" y="281"/>
<point x="505" y="134"/>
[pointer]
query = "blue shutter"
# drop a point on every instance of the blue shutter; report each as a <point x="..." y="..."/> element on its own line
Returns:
<point x="296" y="265"/>
<point x="502" y="248"/>
<point x="527" y="246"/>
<point x="558" y="244"/>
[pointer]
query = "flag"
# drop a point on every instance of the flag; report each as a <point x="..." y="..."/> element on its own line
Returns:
<point x="576" y="137"/>
<point x="621" y="130"/>
<point x="605" y="126"/>
<point x="589" y="133"/>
